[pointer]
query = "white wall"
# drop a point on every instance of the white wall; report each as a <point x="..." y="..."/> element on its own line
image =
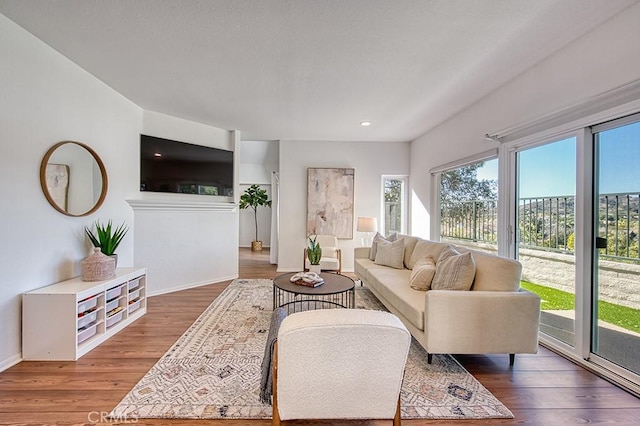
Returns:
<point x="186" y="240"/>
<point x="47" y="99"/>
<point x="258" y="159"/>
<point x="370" y="160"/>
<point x="605" y="58"/>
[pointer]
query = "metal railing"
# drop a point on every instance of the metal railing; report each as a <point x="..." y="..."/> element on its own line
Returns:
<point x="470" y="220"/>
<point x="548" y="223"/>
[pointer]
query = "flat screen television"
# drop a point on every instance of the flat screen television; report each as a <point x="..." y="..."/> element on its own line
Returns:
<point x="179" y="167"/>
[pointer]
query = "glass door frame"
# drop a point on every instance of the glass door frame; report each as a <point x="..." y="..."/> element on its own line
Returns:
<point x="591" y="356"/>
<point x="585" y="233"/>
<point x="583" y="219"/>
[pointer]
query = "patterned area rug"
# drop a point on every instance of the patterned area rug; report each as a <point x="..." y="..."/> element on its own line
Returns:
<point x="213" y="370"/>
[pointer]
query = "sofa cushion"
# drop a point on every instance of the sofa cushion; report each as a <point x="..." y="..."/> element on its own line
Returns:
<point x="494" y="273"/>
<point x="425" y="248"/>
<point x="409" y="245"/>
<point x="390" y="254"/>
<point x="454" y="271"/>
<point x="379" y="238"/>
<point x="392" y="286"/>
<point x="423" y="273"/>
<point x="362" y="267"/>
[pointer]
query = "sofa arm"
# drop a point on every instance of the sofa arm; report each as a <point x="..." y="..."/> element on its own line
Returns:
<point x="481" y="321"/>
<point x="361" y="252"/>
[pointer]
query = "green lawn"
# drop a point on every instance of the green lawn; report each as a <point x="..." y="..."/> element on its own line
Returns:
<point x="553" y="299"/>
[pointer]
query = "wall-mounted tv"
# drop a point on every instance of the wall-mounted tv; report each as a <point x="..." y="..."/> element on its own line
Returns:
<point x="179" y="167"/>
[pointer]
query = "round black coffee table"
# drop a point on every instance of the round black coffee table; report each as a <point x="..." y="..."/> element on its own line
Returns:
<point x="338" y="291"/>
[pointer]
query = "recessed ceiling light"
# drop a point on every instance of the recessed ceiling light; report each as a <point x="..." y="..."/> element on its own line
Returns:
<point x="157" y="154"/>
<point x="365" y="123"/>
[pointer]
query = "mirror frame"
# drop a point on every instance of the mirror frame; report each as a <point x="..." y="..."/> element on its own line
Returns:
<point x="43" y="182"/>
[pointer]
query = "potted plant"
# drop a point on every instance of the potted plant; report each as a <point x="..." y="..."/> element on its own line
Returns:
<point x="107" y="238"/>
<point x="314" y="254"/>
<point x="254" y="197"/>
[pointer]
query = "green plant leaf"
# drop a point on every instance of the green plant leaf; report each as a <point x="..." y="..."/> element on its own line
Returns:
<point x="314" y="252"/>
<point x="253" y="197"/>
<point x="107" y="237"/>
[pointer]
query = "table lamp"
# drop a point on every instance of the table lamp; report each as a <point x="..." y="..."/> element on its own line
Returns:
<point x="368" y="225"/>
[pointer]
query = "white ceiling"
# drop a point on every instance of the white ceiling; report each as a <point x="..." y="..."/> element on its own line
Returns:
<point x="309" y="69"/>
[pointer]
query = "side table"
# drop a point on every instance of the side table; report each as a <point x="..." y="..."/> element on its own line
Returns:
<point x="338" y="291"/>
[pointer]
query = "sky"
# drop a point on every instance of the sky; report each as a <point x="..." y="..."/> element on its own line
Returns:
<point x="550" y="170"/>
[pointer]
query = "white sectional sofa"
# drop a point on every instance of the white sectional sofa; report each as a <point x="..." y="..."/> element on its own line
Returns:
<point x="494" y="316"/>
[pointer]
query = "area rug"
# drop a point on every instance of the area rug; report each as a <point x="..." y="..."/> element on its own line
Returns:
<point x="213" y="370"/>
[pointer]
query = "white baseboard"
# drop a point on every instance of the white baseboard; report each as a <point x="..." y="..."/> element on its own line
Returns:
<point x="10" y="362"/>
<point x="191" y="285"/>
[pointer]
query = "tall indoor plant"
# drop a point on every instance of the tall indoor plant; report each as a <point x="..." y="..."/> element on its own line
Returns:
<point x="254" y="197"/>
<point x="107" y="237"/>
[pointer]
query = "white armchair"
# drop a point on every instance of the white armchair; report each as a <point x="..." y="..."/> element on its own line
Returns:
<point x="328" y="365"/>
<point x="331" y="259"/>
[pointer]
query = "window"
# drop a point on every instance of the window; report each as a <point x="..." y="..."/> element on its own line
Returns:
<point x="468" y="205"/>
<point x="394" y="198"/>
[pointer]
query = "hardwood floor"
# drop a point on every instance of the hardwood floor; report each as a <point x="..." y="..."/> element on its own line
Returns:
<point x="541" y="389"/>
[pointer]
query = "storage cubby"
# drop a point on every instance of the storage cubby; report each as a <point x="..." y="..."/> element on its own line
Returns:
<point x="66" y="320"/>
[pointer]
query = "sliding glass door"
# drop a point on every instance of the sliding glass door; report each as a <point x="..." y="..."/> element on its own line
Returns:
<point x="545" y="226"/>
<point x="615" y="331"/>
<point x="576" y="215"/>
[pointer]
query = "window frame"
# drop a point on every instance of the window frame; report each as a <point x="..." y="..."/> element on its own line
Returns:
<point x="404" y="219"/>
<point x="436" y="175"/>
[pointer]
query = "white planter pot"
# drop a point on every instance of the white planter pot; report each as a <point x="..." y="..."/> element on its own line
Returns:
<point x="314" y="268"/>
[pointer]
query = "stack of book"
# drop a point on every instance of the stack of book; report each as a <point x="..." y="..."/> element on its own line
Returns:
<point x="308" y="279"/>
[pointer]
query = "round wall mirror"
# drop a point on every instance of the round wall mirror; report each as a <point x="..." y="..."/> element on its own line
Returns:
<point x="73" y="178"/>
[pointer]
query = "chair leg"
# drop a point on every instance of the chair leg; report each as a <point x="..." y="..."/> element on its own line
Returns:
<point x="397" y="418"/>
<point x="429" y="358"/>
<point x="304" y="261"/>
<point x="512" y="359"/>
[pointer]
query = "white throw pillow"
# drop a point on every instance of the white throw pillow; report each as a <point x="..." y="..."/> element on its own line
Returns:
<point x="425" y="248"/>
<point x="379" y="238"/>
<point x="423" y="273"/>
<point x="390" y="254"/>
<point x="454" y="271"/>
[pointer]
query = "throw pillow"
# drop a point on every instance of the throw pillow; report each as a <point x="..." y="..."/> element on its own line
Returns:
<point x="446" y="253"/>
<point x="454" y="272"/>
<point x="422" y="274"/>
<point x="379" y="238"/>
<point x="409" y="245"/>
<point x="390" y="254"/>
<point x="425" y="248"/>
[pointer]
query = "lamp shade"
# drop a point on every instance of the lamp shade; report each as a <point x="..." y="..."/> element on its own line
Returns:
<point x="367" y="224"/>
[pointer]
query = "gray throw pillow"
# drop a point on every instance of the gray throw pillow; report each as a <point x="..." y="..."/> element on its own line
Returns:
<point x="454" y="272"/>
<point x="390" y="254"/>
<point x="379" y="238"/>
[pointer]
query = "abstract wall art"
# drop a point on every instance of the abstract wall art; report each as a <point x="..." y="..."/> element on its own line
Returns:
<point x="330" y="202"/>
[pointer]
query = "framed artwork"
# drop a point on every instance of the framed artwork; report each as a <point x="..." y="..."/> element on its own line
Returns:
<point x="330" y="202"/>
<point x="57" y="178"/>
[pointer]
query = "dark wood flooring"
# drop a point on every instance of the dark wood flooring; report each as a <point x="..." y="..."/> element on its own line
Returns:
<point x="541" y="389"/>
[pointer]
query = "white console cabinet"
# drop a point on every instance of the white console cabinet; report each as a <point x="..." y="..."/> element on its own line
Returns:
<point x="66" y="320"/>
